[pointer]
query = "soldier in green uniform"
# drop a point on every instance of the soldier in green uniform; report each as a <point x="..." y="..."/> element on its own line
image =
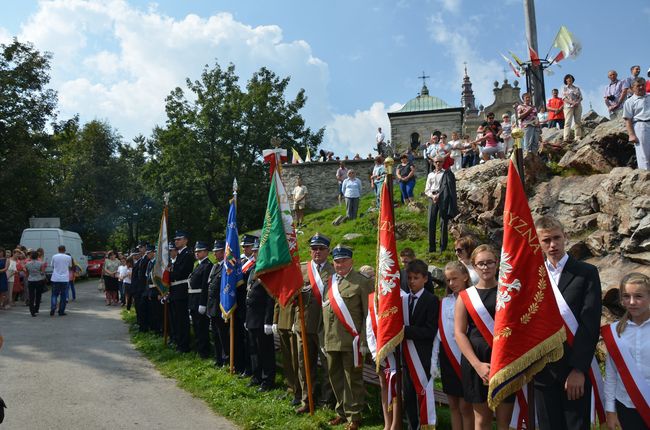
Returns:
<point x="344" y="315"/>
<point x="282" y="326"/>
<point x="316" y="275"/>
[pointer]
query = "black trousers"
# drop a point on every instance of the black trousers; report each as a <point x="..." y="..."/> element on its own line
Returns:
<point x="181" y="324"/>
<point x="201" y="325"/>
<point x="155" y="313"/>
<point x="411" y="405"/>
<point x="434" y="213"/>
<point x="221" y="338"/>
<point x="142" y="311"/>
<point x="242" y="350"/>
<point x="262" y="356"/>
<point x="556" y="412"/>
<point x="629" y="418"/>
<point x="35" y="292"/>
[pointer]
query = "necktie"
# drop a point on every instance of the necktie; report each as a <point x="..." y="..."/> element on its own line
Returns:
<point x="412" y="299"/>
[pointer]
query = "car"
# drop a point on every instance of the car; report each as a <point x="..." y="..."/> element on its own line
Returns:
<point x="96" y="263"/>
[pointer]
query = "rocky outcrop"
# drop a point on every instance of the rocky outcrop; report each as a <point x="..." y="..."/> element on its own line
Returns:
<point x="607" y="216"/>
<point x="603" y="149"/>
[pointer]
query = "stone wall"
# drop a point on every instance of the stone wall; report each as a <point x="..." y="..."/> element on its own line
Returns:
<point x="320" y="179"/>
<point x="403" y="125"/>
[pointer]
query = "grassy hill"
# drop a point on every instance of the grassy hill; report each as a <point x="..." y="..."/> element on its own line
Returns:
<point x="411" y="230"/>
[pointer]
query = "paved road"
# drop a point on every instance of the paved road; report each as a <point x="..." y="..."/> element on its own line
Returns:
<point x="81" y="372"/>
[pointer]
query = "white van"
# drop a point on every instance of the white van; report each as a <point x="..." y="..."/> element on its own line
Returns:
<point x="49" y="239"/>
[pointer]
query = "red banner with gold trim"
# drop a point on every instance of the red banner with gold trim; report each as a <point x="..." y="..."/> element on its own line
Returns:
<point x="390" y="321"/>
<point x="528" y="328"/>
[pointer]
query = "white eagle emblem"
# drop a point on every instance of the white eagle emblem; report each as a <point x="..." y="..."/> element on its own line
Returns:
<point x="387" y="279"/>
<point x="505" y="288"/>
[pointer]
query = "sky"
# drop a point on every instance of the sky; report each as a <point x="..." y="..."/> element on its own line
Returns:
<point x="117" y="60"/>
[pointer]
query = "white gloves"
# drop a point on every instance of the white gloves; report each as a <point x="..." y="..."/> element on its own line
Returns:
<point x="274" y="328"/>
<point x="202" y="309"/>
<point x="268" y="329"/>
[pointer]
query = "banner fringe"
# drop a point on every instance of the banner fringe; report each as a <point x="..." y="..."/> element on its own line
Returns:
<point x="389" y="347"/>
<point x="526" y="366"/>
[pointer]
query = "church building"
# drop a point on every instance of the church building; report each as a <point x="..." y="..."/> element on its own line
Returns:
<point x="413" y="124"/>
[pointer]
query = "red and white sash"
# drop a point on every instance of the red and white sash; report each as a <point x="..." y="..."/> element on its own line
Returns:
<point x="423" y="386"/>
<point x="446" y="333"/>
<point x="389" y="363"/>
<point x="571" y="323"/>
<point x="485" y="325"/>
<point x="249" y="263"/>
<point x="633" y="381"/>
<point x="316" y="282"/>
<point x="343" y="314"/>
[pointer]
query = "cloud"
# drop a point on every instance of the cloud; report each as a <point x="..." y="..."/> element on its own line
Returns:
<point x="458" y="42"/>
<point x="352" y="134"/>
<point x="115" y="61"/>
<point x="451" y="5"/>
<point x="5" y="36"/>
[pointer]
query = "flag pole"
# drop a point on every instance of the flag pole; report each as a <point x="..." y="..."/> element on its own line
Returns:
<point x="305" y="352"/>
<point x="397" y="403"/>
<point x="165" y="305"/>
<point x="232" y="314"/>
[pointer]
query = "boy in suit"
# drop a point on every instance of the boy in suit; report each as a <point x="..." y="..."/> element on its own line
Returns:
<point x="423" y="308"/>
<point x="563" y="388"/>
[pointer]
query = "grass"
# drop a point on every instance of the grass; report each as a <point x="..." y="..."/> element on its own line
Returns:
<point x="414" y="225"/>
<point x="230" y="397"/>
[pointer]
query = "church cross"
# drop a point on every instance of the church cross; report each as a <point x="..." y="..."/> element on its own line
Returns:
<point x="423" y="77"/>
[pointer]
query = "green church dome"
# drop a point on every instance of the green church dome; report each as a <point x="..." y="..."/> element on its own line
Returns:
<point x="424" y="102"/>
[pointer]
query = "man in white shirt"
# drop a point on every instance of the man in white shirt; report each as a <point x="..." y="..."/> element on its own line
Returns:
<point x="432" y="191"/>
<point x="380" y="141"/>
<point x="61" y="264"/>
<point x="636" y="114"/>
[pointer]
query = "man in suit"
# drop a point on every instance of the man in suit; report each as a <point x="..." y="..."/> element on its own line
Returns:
<point x="259" y="322"/>
<point x="136" y="288"/>
<point x="422" y="327"/>
<point x="312" y="302"/>
<point x="197" y="300"/>
<point x="346" y="376"/>
<point x="243" y="364"/>
<point x="562" y="388"/>
<point x="152" y="295"/>
<point x="220" y="330"/>
<point x="180" y="271"/>
<point x="143" y="288"/>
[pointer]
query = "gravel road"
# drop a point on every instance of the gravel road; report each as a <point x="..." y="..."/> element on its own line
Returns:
<point x="80" y="371"/>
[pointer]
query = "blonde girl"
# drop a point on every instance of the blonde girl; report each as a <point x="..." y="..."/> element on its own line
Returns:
<point x="631" y="334"/>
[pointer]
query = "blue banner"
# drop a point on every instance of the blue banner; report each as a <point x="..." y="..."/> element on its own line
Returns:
<point x="232" y="275"/>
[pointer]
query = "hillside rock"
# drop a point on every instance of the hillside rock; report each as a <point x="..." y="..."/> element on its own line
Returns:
<point x="601" y="150"/>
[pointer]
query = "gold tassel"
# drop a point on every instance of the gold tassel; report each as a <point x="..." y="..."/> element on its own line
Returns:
<point x="550" y="350"/>
<point x="389" y="347"/>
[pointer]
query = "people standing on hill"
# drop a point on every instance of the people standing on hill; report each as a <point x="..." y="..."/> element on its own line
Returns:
<point x="456" y="155"/>
<point x="341" y="175"/>
<point x="528" y="122"/>
<point x="635" y="71"/>
<point x="555" y="106"/>
<point x="379" y="140"/>
<point x="615" y="95"/>
<point x="377" y="177"/>
<point x="572" y="97"/>
<point x="35" y="282"/>
<point x="506" y="135"/>
<point x="352" y="192"/>
<point x="406" y="176"/>
<point x="441" y="190"/>
<point x="61" y="264"/>
<point x="636" y="114"/>
<point x="299" y="195"/>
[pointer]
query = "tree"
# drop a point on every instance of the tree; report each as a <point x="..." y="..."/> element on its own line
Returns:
<point x="26" y="107"/>
<point x="217" y="134"/>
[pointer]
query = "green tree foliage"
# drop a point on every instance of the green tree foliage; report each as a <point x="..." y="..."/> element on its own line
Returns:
<point x="26" y="107"/>
<point x="218" y="133"/>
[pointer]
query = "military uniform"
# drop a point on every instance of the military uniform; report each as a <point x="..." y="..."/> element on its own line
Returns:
<point x="283" y="322"/>
<point x="219" y="328"/>
<point x="243" y="363"/>
<point x="178" y="295"/>
<point x="314" y="333"/>
<point x="259" y="321"/>
<point x="197" y="301"/>
<point x="346" y="379"/>
<point x="155" y="314"/>
<point x="136" y="292"/>
<point x="142" y="292"/>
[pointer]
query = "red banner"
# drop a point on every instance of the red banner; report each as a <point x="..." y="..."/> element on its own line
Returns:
<point x="390" y="321"/>
<point x="528" y="328"/>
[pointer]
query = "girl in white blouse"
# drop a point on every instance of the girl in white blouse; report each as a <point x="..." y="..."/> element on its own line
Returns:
<point x="633" y="332"/>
